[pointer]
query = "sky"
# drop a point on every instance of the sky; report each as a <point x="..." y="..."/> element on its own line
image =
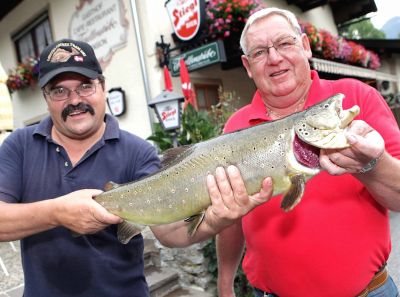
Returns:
<point x="386" y="10"/>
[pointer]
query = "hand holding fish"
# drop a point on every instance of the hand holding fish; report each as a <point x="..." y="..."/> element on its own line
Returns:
<point x="229" y="202"/>
<point x="366" y="147"/>
<point x="229" y="198"/>
<point x="78" y="212"/>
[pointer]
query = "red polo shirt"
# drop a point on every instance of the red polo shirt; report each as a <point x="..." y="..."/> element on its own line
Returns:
<point x="334" y="241"/>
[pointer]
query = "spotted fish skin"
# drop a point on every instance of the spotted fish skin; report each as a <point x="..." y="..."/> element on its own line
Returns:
<point x="178" y="191"/>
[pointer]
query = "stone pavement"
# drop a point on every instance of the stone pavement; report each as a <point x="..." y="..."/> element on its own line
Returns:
<point x="394" y="259"/>
<point x="11" y="278"/>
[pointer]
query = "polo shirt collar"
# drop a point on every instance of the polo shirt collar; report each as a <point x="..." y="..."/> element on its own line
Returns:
<point x="318" y="90"/>
<point x="258" y="110"/>
<point x="111" y="132"/>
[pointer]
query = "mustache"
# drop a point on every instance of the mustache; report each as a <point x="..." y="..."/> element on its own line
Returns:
<point x="83" y="107"/>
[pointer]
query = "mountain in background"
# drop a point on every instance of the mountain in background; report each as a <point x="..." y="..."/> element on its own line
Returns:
<point x="392" y="28"/>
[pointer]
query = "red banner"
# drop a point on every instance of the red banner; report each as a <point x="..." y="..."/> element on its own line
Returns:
<point x="188" y="92"/>
<point x="167" y="79"/>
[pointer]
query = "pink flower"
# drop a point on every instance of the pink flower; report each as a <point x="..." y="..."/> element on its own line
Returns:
<point x="24" y="75"/>
<point x="230" y="14"/>
<point x="331" y="47"/>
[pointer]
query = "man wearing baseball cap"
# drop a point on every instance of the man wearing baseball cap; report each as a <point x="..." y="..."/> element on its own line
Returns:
<point x="50" y="172"/>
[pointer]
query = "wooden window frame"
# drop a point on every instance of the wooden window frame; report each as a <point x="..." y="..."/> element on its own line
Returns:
<point x="29" y="30"/>
<point x="205" y="87"/>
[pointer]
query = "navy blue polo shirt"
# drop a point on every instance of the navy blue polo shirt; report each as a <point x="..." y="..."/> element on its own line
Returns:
<point x="56" y="264"/>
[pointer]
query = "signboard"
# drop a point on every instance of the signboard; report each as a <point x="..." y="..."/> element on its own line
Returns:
<point x="200" y="57"/>
<point x="187" y="17"/>
<point x="168" y="114"/>
<point x="116" y="101"/>
<point x="102" y="24"/>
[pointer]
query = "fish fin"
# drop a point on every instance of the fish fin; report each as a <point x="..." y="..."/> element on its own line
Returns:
<point x="293" y="196"/>
<point x="174" y="155"/>
<point x="111" y="185"/>
<point x="195" y="222"/>
<point x="126" y="231"/>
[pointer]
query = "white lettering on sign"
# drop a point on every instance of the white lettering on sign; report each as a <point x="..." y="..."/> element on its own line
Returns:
<point x="102" y="24"/>
<point x="197" y="59"/>
<point x="185" y="17"/>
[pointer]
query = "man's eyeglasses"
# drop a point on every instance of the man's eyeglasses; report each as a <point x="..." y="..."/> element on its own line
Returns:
<point x="282" y="46"/>
<point x="62" y="93"/>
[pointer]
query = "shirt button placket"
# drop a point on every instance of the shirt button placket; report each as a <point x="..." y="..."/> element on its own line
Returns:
<point x="58" y="150"/>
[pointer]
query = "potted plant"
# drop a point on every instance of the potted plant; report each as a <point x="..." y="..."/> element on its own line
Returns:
<point x="228" y="17"/>
<point x="24" y="75"/>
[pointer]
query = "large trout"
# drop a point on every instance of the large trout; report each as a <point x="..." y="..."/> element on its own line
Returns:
<point x="287" y="150"/>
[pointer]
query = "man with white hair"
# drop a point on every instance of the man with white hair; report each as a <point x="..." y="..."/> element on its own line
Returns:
<point x="337" y="240"/>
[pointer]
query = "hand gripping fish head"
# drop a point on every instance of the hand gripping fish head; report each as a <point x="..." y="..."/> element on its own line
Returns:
<point x="323" y="125"/>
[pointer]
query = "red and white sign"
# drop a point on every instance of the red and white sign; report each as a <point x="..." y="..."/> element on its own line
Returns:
<point x="186" y="17"/>
<point x="169" y="115"/>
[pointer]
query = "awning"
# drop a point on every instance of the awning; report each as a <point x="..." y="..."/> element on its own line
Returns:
<point x="6" y="112"/>
<point x="348" y="70"/>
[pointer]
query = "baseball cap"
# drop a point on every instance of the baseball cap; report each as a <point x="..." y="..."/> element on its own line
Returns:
<point x="68" y="55"/>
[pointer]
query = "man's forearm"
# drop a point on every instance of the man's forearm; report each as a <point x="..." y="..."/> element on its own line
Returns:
<point x="230" y="247"/>
<point x="23" y="219"/>
<point x="177" y="234"/>
<point x="383" y="182"/>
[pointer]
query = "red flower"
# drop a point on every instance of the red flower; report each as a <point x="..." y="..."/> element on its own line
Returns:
<point x="331" y="47"/>
<point x="23" y="76"/>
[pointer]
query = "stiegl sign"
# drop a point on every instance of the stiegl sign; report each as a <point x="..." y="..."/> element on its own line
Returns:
<point x="186" y="17"/>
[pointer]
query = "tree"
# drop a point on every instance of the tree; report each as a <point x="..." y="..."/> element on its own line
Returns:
<point x="363" y="29"/>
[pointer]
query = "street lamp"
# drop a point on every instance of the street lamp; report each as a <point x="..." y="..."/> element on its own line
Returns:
<point x="167" y="106"/>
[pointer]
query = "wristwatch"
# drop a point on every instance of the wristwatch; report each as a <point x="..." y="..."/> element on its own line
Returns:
<point x="369" y="166"/>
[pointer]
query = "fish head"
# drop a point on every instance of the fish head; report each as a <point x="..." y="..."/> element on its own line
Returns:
<point x="324" y="125"/>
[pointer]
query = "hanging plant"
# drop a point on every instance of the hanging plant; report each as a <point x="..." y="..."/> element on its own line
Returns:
<point x="24" y="75"/>
<point x="332" y="47"/>
<point x="227" y="17"/>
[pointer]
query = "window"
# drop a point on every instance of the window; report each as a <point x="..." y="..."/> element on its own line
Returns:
<point x="206" y="95"/>
<point x="31" y="40"/>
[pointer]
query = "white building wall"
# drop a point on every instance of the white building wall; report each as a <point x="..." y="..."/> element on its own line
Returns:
<point x="125" y="69"/>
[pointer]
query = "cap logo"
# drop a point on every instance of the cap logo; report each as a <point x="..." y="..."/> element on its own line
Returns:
<point x="63" y="51"/>
<point x="78" y="58"/>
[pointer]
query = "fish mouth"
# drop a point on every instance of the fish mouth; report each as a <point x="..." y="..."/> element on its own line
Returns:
<point x="324" y="125"/>
<point x="306" y="154"/>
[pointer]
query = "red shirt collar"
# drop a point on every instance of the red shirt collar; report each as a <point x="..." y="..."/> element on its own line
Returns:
<point x="258" y="110"/>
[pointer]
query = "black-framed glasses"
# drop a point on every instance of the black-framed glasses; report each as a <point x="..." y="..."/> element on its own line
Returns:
<point x="63" y="93"/>
<point x="283" y="45"/>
